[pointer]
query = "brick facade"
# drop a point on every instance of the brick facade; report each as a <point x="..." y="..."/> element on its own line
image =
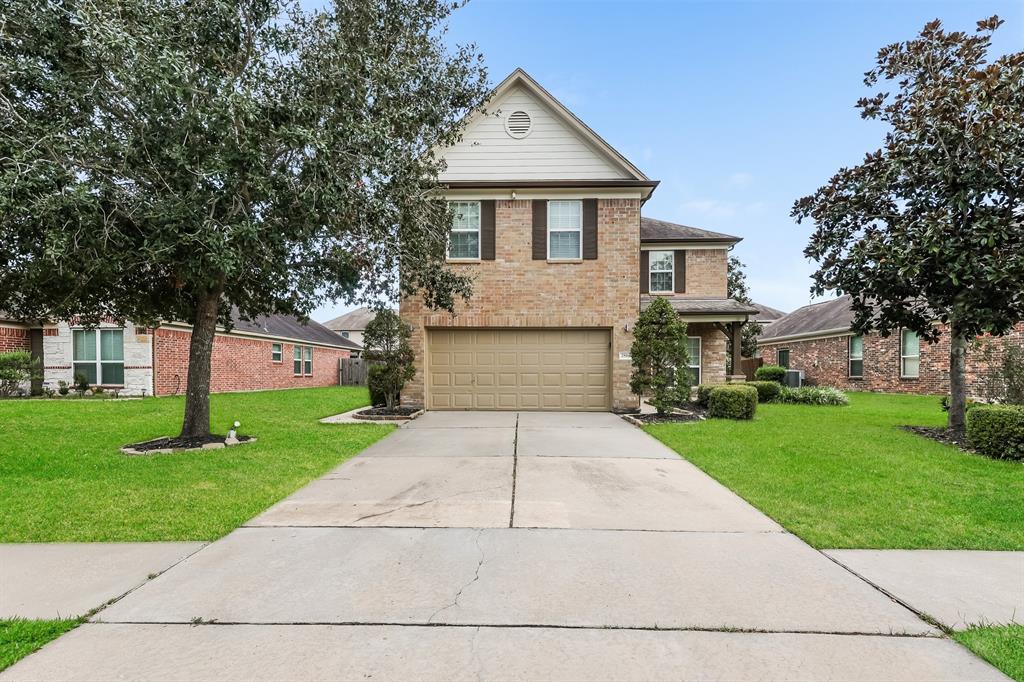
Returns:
<point x="825" y="363"/>
<point x="514" y="290"/>
<point x="240" y="364"/>
<point x="706" y="274"/>
<point x="13" y="338"/>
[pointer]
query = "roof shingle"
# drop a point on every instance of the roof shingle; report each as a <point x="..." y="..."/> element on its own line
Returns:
<point x="814" y="318"/>
<point x="653" y="230"/>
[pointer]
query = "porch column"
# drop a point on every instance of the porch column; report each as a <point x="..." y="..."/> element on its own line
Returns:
<point x="736" y="336"/>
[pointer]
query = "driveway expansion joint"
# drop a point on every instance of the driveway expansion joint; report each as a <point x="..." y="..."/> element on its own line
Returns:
<point x="515" y="467"/>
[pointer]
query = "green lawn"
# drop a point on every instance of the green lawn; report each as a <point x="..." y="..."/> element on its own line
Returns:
<point x="63" y="479"/>
<point x="847" y="477"/>
<point x="19" y="637"/>
<point x="1003" y="647"/>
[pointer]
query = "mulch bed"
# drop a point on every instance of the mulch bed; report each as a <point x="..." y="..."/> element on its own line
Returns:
<point x="161" y="445"/>
<point x="384" y="414"/>
<point x="954" y="437"/>
<point x="690" y="414"/>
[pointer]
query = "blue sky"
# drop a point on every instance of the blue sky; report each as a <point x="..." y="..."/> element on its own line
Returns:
<point x="738" y="108"/>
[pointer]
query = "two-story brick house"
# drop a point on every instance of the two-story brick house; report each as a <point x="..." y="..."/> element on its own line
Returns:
<point x="548" y="223"/>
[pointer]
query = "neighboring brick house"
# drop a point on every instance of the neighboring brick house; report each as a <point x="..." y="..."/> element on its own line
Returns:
<point x="817" y="339"/>
<point x="269" y="353"/>
<point x="548" y="225"/>
<point x="352" y="325"/>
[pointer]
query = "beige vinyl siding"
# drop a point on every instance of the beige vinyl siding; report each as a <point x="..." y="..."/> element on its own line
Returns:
<point x="552" y="150"/>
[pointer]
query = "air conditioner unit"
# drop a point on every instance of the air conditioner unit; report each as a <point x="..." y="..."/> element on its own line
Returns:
<point x="794" y="378"/>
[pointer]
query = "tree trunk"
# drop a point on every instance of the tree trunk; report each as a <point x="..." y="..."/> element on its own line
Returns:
<point x="957" y="378"/>
<point x="200" y="355"/>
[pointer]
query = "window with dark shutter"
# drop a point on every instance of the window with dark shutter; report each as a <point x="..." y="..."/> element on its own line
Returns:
<point x="645" y="269"/>
<point x="487" y="229"/>
<point x="680" y="278"/>
<point x="540" y="229"/>
<point x="590" y="229"/>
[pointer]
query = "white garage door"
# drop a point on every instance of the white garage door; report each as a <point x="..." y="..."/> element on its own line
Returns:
<point x="518" y="369"/>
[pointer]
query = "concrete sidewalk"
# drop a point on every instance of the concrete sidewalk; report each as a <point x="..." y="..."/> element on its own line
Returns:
<point x="519" y="546"/>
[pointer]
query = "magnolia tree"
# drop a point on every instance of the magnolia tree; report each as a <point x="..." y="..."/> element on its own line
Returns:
<point x="386" y="340"/>
<point x="176" y="160"/>
<point x="930" y="228"/>
<point x="659" y="353"/>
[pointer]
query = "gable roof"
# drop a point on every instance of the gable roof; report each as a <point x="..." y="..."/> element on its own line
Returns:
<point x="653" y="230"/>
<point x="767" y="313"/>
<point x="484" y="136"/>
<point x="814" y="319"/>
<point x="352" y="321"/>
<point x="703" y="306"/>
<point x="288" y="327"/>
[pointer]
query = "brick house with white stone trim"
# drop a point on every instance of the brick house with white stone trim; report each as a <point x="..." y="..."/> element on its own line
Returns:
<point x="548" y="224"/>
<point x="270" y="352"/>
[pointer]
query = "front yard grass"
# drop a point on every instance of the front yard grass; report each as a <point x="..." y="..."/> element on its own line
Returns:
<point x="20" y="637"/>
<point x="1002" y="646"/>
<point x="63" y="478"/>
<point x="848" y="477"/>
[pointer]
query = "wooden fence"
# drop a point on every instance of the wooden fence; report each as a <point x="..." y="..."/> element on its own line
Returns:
<point x="749" y="366"/>
<point x="352" y="371"/>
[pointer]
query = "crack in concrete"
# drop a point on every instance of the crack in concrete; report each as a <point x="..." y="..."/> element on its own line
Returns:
<point x="413" y="505"/>
<point x="515" y="468"/>
<point x="476" y="577"/>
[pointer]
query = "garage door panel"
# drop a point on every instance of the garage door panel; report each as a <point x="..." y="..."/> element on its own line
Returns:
<point x="525" y="369"/>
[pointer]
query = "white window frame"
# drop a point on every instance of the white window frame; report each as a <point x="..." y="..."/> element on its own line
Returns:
<point x="479" y="220"/>
<point x="307" y="361"/>
<point x="99" y="361"/>
<point x="904" y="356"/>
<point x="297" y="357"/>
<point x="671" y="271"/>
<point x="578" y="230"/>
<point x="700" y="352"/>
<point x="276" y="352"/>
<point x="850" y="358"/>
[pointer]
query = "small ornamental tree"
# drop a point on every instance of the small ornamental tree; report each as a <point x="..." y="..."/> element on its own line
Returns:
<point x="197" y="161"/>
<point x="386" y="340"/>
<point x="660" y="360"/>
<point x="930" y="228"/>
<point x="738" y="290"/>
<point x="17" y="367"/>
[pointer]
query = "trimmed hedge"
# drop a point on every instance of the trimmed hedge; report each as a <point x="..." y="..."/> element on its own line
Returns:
<point x="812" y="395"/>
<point x="732" y="401"/>
<point x="704" y="392"/>
<point x="767" y="391"/>
<point x="375" y="382"/>
<point x="775" y="373"/>
<point x="997" y="430"/>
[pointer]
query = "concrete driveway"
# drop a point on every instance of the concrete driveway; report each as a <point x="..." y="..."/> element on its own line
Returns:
<point x="508" y="546"/>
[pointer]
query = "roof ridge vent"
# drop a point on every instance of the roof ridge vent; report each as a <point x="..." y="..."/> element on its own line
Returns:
<point x="518" y="124"/>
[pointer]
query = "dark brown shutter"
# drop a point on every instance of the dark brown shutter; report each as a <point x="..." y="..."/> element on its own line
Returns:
<point x="540" y="229"/>
<point x="645" y="272"/>
<point x="680" y="276"/>
<point x="590" y="229"/>
<point x="487" y="229"/>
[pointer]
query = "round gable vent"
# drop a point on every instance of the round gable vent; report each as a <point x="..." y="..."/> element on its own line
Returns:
<point x="518" y="124"/>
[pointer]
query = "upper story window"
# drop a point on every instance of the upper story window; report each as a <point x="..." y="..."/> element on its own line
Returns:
<point x="464" y="240"/>
<point x="344" y="335"/>
<point x="662" y="272"/>
<point x="910" y="354"/>
<point x="98" y="355"/>
<point x="565" y="230"/>
<point x="856" y="357"/>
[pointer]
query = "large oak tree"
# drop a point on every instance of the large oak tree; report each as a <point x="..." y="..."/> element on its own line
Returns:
<point x="176" y="160"/>
<point x="930" y="228"/>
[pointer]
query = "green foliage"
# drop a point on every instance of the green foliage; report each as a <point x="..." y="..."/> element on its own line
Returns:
<point x="737" y="289"/>
<point x="732" y="401"/>
<point x="846" y="478"/>
<point x="375" y="383"/>
<point x="16" y="368"/>
<point x="774" y="373"/>
<point x="1002" y="646"/>
<point x="660" y="358"/>
<point x="81" y="383"/>
<point x="767" y="391"/>
<point x="928" y="227"/>
<point x="812" y="395"/>
<point x="704" y="392"/>
<point x="1005" y="382"/>
<point x="944" y="403"/>
<point x="386" y="340"/>
<point x="20" y="637"/>
<point x="177" y="160"/>
<point x="997" y="430"/>
<point x="63" y="388"/>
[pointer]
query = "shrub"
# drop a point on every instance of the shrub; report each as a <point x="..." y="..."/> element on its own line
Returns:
<point x="375" y="382"/>
<point x="659" y="353"/>
<point x="767" y="391"/>
<point x="775" y="373"/>
<point x="16" y="367"/>
<point x="704" y="392"/>
<point x="63" y="388"/>
<point x="81" y="383"/>
<point x="386" y="339"/>
<point x="812" y="395"/>
<point x="732" y="401"/>
<point x="997" y="430"/>
<point x="945" y="400"/>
